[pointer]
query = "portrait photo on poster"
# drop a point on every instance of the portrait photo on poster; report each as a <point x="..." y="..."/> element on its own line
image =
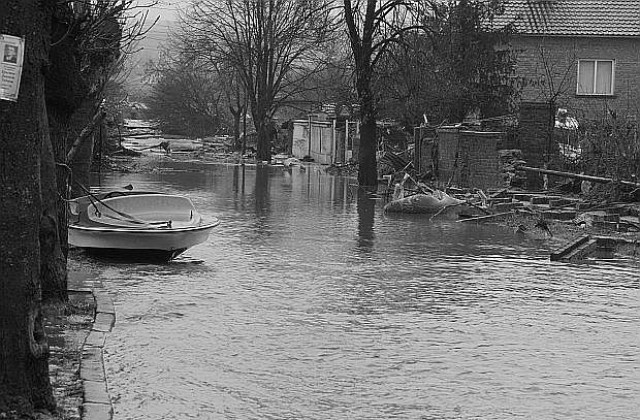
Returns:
<point x="10" y="54"/>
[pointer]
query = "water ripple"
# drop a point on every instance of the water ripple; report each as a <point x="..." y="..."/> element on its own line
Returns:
<point x="308" y="303"/>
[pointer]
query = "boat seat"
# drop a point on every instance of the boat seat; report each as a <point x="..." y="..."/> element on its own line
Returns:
<point x="144" y="209"/>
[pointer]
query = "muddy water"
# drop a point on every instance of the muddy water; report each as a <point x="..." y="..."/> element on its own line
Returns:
<point x="308" y="303"/>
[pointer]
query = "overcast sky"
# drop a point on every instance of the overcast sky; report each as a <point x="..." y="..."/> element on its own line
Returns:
<point x="148" y="48"/>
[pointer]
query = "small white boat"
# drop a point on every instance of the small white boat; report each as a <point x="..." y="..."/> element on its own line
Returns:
<point x="137" y="225"/>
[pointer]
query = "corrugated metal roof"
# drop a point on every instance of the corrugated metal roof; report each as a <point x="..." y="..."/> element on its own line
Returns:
<point x="573" y="17"/>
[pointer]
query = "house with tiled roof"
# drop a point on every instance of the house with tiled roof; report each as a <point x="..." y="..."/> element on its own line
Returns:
<point x="583" y="54"/>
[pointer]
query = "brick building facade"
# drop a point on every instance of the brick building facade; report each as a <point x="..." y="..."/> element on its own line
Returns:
<point x="561" y="56"/>
<point x="583" y="54"/>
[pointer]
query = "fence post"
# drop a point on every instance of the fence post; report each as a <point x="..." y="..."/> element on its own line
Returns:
<point x="310" y="136"/>
<point x="334" y="146"/>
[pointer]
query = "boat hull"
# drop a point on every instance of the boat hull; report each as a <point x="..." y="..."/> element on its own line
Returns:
<point x="134" y="255"/>
<point x="168" y="240"/>
<point x="93" y="230"/>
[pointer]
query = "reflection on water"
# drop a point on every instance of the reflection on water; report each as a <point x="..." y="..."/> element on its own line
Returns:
<point x="261" y="192"/>
<point x="308" y="303"/>
<point x="366" y="211"/>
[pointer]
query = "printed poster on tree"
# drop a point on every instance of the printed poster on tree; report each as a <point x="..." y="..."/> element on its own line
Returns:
<point x="11" y="58"/>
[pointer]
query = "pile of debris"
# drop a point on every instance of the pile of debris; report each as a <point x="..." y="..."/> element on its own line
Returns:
<point x="540" y="214"/>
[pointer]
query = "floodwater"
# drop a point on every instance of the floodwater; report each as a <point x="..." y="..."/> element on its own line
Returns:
<point x="307" y="302"/>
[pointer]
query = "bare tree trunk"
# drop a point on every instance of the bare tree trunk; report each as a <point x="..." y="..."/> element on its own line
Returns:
<point x="362" y="47"/>
<point x="366" y="207"/>
<point x="59" y="134"/>
<point x="236" y="114"/>
<point x="367" y="162"/>
<point x="64" y="91"/>
<point x="53" y="262"/>
<point x="80" y="161"/>
<point x="244" y="135"/>
<point x="95" y="125"/>
<point x="263" y="127"/>
<point x="24" y="369"/>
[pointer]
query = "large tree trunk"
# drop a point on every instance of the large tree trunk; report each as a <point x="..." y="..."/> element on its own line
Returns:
<point x="366" y="207"/>
<point x="263" y="128"/>
<point x="58" y="133"/>
<point x="24" y="370"/>
<point x="53" y="262"/>
<point x="367" y="162"/>
<point x="65" y="89"/>
<point x="362" y="48"/>
<point x="53" y="226"/>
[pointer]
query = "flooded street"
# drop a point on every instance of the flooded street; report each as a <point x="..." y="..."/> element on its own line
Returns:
<point x="307" y="302"/>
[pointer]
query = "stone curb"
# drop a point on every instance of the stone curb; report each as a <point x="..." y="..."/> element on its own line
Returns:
<point x="97" y="402"/>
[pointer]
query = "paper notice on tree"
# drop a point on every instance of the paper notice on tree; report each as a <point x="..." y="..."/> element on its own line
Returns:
<point x="11" y="58"/>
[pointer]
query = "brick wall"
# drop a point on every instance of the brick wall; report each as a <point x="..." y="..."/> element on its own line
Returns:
<point x="559" y="56"/>
<point x="536" y="121"/>
<point x="447" y="140"/>
<point x="468" y="158"/>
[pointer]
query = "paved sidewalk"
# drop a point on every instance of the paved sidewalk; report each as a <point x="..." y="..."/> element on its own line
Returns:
<point x="97" y="403"/>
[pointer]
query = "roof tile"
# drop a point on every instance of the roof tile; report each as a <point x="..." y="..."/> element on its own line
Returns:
<point x="573" y="17"/>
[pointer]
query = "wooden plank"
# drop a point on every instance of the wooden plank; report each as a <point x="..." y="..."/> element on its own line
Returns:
<point x="591" y="178"/>
<point x="563" y="253"/>
<point x="486" y="218"/>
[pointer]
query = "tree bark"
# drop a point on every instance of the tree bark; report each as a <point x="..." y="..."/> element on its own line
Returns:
<point x="79" y="142"/>
<point x="53" y="262"/>
<point x="362" y="47"/>
<point x="263" y="129"/>
<point x="59" y="134"/>
<point x="81" y="159"/>
<point x="367" y="162"/>
<point x="24" y="370"/>
<point x="65" y="88"/>
<point x="366" y="207"/>
<point x="235" y="113"/>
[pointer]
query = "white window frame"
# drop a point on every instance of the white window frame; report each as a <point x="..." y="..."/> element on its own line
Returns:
<point x="595" y="77"/>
